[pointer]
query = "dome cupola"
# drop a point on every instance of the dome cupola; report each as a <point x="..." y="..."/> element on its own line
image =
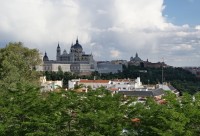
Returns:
<point x="77" y="45"/>
<point x="45" y="58"/>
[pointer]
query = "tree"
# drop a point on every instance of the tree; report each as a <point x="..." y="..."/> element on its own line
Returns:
<point x="100" y="113"/>
<point x="26" y="111"/>
<point x="60" y="73"/>
<point x="16" y="65"/>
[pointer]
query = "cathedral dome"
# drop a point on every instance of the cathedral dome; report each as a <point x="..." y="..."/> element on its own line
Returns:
<point x="135" y="59"/>
<point x="77" y="45"/>
<point x="131" y="59"/>
<point x="45" y="58"/>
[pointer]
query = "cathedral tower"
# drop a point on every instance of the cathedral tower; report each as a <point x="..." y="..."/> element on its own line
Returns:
<point x="58" y="53"/>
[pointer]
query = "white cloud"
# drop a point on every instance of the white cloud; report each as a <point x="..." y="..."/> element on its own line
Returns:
<point x="183" y="47"/>
<point x="197" y="27"/>
<point x="99" y="11"/>
<point x="139" y="14"/>
<point x="108" y="28"/>
<point x="115" y="54"/>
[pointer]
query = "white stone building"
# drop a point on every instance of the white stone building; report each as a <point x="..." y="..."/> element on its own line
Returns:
<point x="76" y="61"/>
<point x="126" y="84"/>
<point x="47" y="86"/>
<point x="119" y="84"/>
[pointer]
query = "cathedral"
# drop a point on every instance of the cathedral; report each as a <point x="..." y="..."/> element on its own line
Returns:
<point x="75" y="54"/>
<point x="136" y="61"/>
<point x="75" y="61"/>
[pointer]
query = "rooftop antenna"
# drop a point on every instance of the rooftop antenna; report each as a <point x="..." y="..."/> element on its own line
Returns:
<point x="162" y="69"/>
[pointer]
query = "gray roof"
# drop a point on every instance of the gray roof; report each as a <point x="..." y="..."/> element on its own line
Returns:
<point x="167" y="87"/>
<point x="150" y="93"/>
<point x="172" y="88"/>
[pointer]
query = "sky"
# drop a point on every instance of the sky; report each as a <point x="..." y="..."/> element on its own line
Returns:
<point x="157" y="30"/>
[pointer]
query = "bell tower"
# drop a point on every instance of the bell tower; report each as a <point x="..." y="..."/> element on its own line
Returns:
<point x="58" y="53"/>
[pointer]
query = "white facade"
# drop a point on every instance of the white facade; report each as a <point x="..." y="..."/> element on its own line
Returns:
<point x="72" y="83"/>
<point x="94" y="84"/>
<point x="126" y="84"/>
<point x="75" y="68"/>
<point x="64" y="67"/>
<point x="85" y="68"/>
<point x="47" y="86"/>
<point x="109" y="84"/>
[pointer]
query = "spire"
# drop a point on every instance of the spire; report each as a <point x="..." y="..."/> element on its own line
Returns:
<point x="136" y="55"/>
<point x="58" y="45"/>
<point x="77" y="40"/>
<point x="45" y="58"/>
<point x="72" y="44"/>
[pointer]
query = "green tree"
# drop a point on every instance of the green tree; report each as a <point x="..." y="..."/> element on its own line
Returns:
<point x="60" y="73"/>
<point x="100" y="113"/>
<point x="16" y="65"/>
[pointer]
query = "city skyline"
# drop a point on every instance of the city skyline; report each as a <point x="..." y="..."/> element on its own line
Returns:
<point x="109" y="29"/>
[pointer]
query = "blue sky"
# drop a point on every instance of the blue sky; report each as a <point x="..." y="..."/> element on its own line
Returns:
<point x="182" y="12"/>
<point x="110" y="29"/>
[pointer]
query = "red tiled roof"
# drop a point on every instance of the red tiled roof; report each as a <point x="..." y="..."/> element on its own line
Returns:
<point x="162" y="102"/>
<point x="135" y="120"/>
<point x="121" y="80"/>
<point x="113" y="89"/>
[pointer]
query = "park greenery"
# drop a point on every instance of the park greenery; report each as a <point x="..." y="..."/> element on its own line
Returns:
<point x="16" y="65"/>
<point x="25" y="111"/>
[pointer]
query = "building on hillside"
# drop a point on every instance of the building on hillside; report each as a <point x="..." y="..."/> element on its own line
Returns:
<point x="53" y="66"/>
<point x="108" y="67"/>
<point x="136" y="61"/>
<point x="118" y="84"/>
<point x="153" y="65"/>
<point x="47" y="86"/>
<point x="125" y="84"/>
<point x="94" y="84"/>
<point x="75" y="61"/>
<point x="168" y="87"/>
<point x="157" y="91"/>
<point x="122" y="62"/>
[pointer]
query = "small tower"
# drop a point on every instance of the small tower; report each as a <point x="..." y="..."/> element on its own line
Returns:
<point x="45" y="58"/>
<point x="136" y="55"/>
<point x="72" y="48"/>
<point x="77" y="40"/>
<point x="58" y="53"/>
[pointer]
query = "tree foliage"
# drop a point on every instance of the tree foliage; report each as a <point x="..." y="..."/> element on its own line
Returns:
<point x="16" y="65"/>
<point x="27" y="111"/>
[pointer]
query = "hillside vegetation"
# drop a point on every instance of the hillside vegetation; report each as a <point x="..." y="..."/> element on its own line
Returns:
<point x="181" y="79"/>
